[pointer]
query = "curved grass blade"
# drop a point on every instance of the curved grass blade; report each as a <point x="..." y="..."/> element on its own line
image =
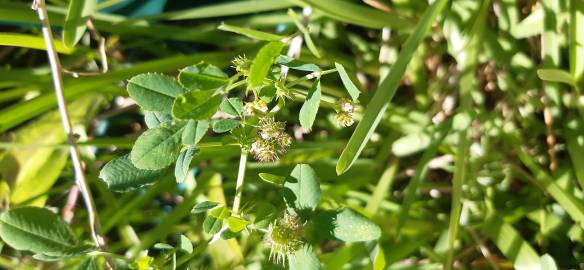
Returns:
<point x="307" y="39"/>
<point x="511" y="244"/>
<point x="30" y="41"/>
<point x="251" y="33"/>
<point x="346" y="11"/>
<point x="75" y="22"/>
<point x="380" y="101"/>
<point x="226" y="9"/>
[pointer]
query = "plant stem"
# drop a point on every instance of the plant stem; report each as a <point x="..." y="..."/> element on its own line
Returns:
<point x="240" y="180"/>
<point x="39" y="6"/>
<point x="311" y="76"/>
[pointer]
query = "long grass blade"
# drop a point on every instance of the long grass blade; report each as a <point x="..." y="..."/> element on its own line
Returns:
<point x="384" y="93"/>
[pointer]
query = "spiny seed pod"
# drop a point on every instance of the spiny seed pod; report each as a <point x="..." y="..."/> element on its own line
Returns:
<point x="271" y="141"/>
<point x="284" y="237"/>
<point x="241" y="64"/>
<point x="345" y="112"/>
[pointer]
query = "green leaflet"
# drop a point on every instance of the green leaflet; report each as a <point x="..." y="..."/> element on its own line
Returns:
<point x="557" y="75"/>
<point x="309" y="109"/>
<point x="263" y="62"/>
<point x="154" y="119"/>
<point x="75" y="22"/>
<point x="121" y="175"/>
<point x="35" y="229"/>
<point x="65" y="254"/>
<point x="194" y="131"/>
<point x="183" y="163"/>
<point x="232" y="106"/>
<point x="154" y="91"/>
<point x="202" y="76"/>
<point x="157" y="148"/>
<point x="236" y="224"/>
<point x="305" y="259"/>
<point x="272" y="178"/>
<point x="251" y="33"/>
<point x="349" y="226"/>
<point x="203" y="207"/>
<point x="196" y="105"/>
<point x="302" y="189"/>
<point x="296" y="64"/>
<point x="380" y="101"/>
<point x="349" y="85"/>
<point x="184" y="244"/>
<point x="225" y="125"/>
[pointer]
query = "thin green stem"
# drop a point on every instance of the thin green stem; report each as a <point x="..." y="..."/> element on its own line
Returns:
<point x="311" y="76"/>
<point x="240" y="181"/>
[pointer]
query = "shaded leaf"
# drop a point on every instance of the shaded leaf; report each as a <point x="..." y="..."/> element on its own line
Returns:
<point x="154" y="119"/>
<point x="154" y="91"/>
<point x="212" y="225"/>
<point x="225" y="125"/>
<point x="202" y="76"/>
<point x="35" y="229"/>
<point x="194" y="131"/>
<point x="196" y="105"/>
<point x="232" y="106"/>
<point x="183" y="163"/>
<point x="305" y="259"/>
<point x="302" y="188"/>
<point x="157" y="148"/>
<point x="120" y="174"/>
<point x="203" y="207"/>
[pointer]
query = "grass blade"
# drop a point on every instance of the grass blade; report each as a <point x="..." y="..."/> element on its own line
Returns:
<point x="251" y="33"/>
<point x="511" y="244"/>
<point x="380" y="101"/>
<point x="75" y="22"/>
<point x="30" y="41"/>
<point x="225" y="9"/>
<point x="576" y="38"/>
<point x="348" y="12"/>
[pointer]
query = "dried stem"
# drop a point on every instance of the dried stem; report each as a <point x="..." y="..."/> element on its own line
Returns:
<point x="550" y="138"/>
<point x="101" y="49"/>
<point x="68" y="210"/>
<point x="483" y="249"/>
<point x="40" y="7"/>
